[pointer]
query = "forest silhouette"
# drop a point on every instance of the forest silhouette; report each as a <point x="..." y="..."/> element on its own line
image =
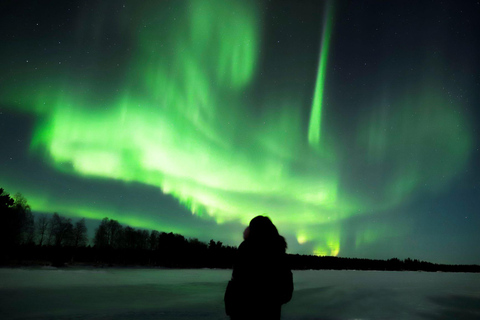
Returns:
<point x="58" y="241"/>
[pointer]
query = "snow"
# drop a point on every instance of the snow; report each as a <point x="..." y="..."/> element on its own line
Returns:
<point x="198" y="294"/>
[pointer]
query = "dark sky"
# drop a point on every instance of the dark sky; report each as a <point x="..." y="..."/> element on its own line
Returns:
<point x="352" y="125"/>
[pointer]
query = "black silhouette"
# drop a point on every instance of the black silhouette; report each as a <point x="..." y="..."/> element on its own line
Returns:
<point x="61" y="231"/>
<point x="16" y="225"/>
<point x="261" y="281"/>
<point x="55" y="240"/>
<point x="80" y="238"/>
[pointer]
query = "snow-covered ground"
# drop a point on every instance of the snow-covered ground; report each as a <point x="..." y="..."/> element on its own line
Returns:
<point x="198" y="294"/>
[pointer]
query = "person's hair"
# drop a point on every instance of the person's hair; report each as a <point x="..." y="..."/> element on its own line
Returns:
<point x="263" y="231"/>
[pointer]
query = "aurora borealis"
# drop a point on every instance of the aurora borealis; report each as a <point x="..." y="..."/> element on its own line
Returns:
<point x="354" y="126"/>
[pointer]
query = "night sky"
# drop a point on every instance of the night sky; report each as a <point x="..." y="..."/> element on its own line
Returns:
<point x="353" y="125"/>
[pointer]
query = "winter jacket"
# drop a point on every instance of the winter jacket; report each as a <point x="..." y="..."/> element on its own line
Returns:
<point x="261" y="282"/>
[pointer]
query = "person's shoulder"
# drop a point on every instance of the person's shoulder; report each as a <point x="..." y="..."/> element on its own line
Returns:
<point x="246" y="250"/>
<point x="244" y="246"/>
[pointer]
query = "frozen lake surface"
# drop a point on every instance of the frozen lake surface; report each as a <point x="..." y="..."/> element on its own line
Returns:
<point x="198" y="294"/>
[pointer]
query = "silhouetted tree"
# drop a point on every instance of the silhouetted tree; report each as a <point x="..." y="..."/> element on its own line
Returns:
<point x="109" y="234"/>
<point x="101" y="240"/>
<point x="143" y="241"/>
<point x="61" y="230"/>
<point x="5" y="201"/>
<point x="153" y="240"/>
<point x="17" y="225"/>
<point x="129" y="238"/>
<point x="50" y="231"/>
<point x="212" y="245"/>
<point x="7" y="225"/>
<point x="26" y="227"/>
<point x="42" y="229"/>
<point x="114" y="233"/>
<point x="80" y="234"/>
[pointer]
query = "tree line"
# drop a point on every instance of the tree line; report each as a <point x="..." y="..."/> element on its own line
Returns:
<point x="57" y="240"/>
<point x="20" y="229"/>
<point x="309" y="262"/>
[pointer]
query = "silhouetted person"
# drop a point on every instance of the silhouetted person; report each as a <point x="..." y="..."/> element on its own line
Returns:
<point x="261" y="280"/>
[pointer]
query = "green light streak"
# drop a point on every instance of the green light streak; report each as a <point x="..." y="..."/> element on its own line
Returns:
<point x="315" y="125"/>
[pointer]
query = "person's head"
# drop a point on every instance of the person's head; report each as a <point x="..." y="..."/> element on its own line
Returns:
<point x="261" y="227"/>
<point x="262" y="230"/>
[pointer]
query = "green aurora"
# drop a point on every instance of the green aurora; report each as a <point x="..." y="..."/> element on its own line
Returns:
<point x="185" y="116"/>
<point x="314" y="129"/>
